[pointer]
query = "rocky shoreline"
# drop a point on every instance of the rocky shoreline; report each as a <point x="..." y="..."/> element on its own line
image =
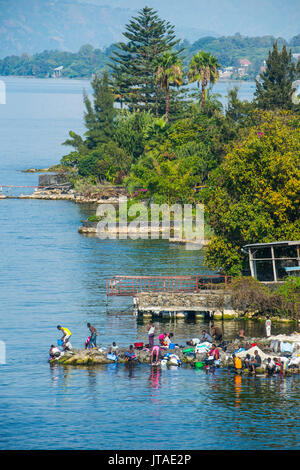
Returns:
<point x="107" y="196"/>
<point x="186" y="354"/>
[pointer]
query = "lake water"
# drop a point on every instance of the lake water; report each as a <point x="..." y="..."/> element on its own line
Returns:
<point x="52" y="275"/>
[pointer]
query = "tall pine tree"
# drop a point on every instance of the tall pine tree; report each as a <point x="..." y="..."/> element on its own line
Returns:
<point x="274" y="89"/>
<point x="133" y="62"/>
<point x="99" y="116"/>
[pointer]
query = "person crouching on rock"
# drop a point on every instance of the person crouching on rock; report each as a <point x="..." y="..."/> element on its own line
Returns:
<point x="206" y="337"/>
<point x="214" y="352"/>
<point x="130" y="355"/>
<point x="217" y="333"/>
<point x="270" y="366"/>
<point x="247" y="362"/>
<point x="66" y="336"/>
<point x="256" y="362"/>
<point x="237" y="364"/>
<point x="193" y="342"/>
<point x="54" y="352"/>
<point x="155" y="356"/>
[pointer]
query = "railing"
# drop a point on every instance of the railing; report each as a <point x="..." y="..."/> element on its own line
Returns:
<point x="132" y="285"/>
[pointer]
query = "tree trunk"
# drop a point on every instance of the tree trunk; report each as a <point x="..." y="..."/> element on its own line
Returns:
<point x="203" y="95"/>
<point x="167" y="103"/>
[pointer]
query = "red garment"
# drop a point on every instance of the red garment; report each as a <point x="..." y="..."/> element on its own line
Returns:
<point x="215" y="352"/>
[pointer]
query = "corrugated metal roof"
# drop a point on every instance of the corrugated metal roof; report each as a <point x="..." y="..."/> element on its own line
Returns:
<point x="282" y="243"/>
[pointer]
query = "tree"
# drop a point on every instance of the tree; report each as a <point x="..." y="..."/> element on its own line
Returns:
<point x="274" y="89"/>
<point x="99" y="116"/>
<point x="253" y="196"/>
<point x="203" y="68"/>
<point x="169" y="71"/>
<point x="133" y="62"/>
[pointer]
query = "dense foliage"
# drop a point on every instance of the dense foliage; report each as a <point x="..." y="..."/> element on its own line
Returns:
<point x="274" y="89"/>
<point x="250" y="297"/>
<point x="89" y="60"/>
<point x="242" y="161"/>
<point x="81" y="64"/>
<point x="254" y="193"/>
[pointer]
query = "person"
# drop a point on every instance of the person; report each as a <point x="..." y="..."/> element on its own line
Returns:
<point x="237" y="364"/>
<point x="94" y="334"/>
<point x="130" y="355"/>
<point x="54" y="352"/>
<point x="114" y="347"/>
<point x="193" y="342"/>
<point x="217" y="333"/>
<point x="270" y="366"/>
<point x="167" y="339"/>
<point x="256" y="362"/>
<point x="155" y="355"/>
<point x="164" y="340"/>
<point x="66" y="336"/>
<point x="87" y="343"/>
<point x="151" y="331"/>
<point x="209" y="360"/>
<point x="241" y="334"/>
<point x="214" y="352"/>
<point x="278" y="365"/>
<point x="268" y="326"/>
<point x="247" y="361"/>
<point x="161" y="339"/>
<point x="206" y="337"/>
<point x="284" y="361"/>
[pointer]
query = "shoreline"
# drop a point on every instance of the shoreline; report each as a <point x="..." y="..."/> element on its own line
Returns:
<point x="194" y="356"/>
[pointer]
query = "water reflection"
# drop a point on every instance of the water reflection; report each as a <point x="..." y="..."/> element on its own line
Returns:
<point x="237" y="388"/>
<point x="154" y="378"/>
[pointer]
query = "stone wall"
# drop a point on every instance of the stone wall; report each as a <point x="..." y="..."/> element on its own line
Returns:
<point x="216" y="302"/>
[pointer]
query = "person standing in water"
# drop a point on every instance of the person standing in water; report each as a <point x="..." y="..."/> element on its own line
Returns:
<point x="268" y="326"/>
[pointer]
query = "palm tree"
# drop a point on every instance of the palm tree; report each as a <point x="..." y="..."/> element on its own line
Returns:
<point x="169" y="71"/>
<point x="203" y="68"/>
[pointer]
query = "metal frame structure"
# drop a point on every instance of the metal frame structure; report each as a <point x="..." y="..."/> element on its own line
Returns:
<point x="132" y="285"/>
<point x="252" y="249"/>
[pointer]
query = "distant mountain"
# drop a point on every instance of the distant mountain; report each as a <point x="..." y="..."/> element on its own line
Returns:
<point x="30" y="26"/>
<point x="226" y="17"/>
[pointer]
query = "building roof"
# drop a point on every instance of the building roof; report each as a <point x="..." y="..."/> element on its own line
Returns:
<point x="244" y="62"/>
<point x="266" y="245"/>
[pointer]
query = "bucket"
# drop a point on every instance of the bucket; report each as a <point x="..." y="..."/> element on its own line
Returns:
<point x="138" y="345"/>
<point x="59" y="342"/>
<point x="172" y="346"/>
<point x="199" y="365"/>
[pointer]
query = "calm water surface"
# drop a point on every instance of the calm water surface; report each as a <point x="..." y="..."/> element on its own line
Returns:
<point x="52" y="275"/>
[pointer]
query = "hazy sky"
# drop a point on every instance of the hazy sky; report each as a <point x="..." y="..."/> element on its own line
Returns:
<point x="249" y="17"/>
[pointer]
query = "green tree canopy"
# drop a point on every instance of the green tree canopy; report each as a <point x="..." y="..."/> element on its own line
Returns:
<point x="133" y="62"/>
<point x="203" y="68"/>
<point x="253" y="196"/>
<point x="274" y="88"/>
<point x="169" y="71"/>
